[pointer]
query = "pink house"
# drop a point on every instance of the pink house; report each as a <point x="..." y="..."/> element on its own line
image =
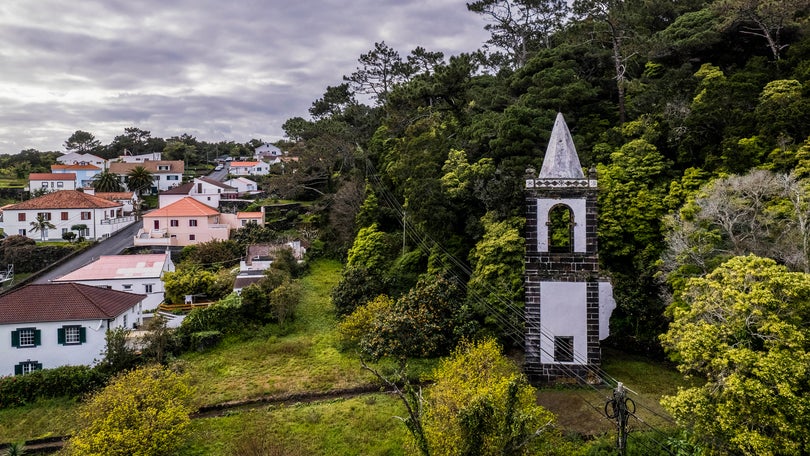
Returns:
<point x="184" y="222"/>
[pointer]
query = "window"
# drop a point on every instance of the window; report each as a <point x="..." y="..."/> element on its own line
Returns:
<point x="60" y="184"/>
<point x="174" y="222"/>
<point x="86" y="215"/>
<point x="563" y="349"/>
<point x="125" y="320"/>
<point x="127" y="286"/>
<point x="26" y="367"/>
<point x="147" y="288"/>
<point x="163" y="167"/>
<point x="26" y="337"/>
<point x="64" y="230"/>
<point x="71" y="335"/>
<point x="21" y="232"/>
<point x="44" y="185"/>
<point x="192" y="222"/>
<point x="21" y="217"/>
<point x="560" y="229"/>
<point x="172" y="178"/>
<point x="192" y="237"/>
<point x="45" y="215"/>
<point x="64" y="215"/>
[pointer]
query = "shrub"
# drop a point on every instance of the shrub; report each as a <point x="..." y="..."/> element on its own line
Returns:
<point x="70" y="381"/>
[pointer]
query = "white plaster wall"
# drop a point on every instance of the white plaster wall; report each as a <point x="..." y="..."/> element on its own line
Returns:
<point x="577" y="207"/>
<point x="50" y="353"/>
<point x="606" y="306"/>
<point x="563" y="312"/>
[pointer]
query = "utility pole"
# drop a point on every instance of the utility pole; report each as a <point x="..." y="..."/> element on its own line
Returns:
<point x="619" y="408"/>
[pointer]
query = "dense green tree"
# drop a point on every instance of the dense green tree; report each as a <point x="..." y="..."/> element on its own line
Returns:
<point x="743" y="331"/>
<point x="82" y="142"/>
<point x="767" y="19"/>
<point x="140" y="179"/>
<point x="212" y="255"/>
<point x="106" y="181"/>
<point x="380" y="69"/>
<point x="144" y="412"/>
<point x="195" y="282"/>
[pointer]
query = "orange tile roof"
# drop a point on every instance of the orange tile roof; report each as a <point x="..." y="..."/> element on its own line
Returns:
<point x="175" y="166"/>
<point x="52" y="176"/>
<point x="112" y="196"/>
<point x="64" y="302"/>
<point x="65" y="199"/>
<point x="119" y="267"/>
<point x="245" y="164"/>
<point x="186" y="207"/>
<point x="78" y="167"/>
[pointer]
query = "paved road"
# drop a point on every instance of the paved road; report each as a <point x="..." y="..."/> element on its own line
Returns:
<point x="110" y="246"/>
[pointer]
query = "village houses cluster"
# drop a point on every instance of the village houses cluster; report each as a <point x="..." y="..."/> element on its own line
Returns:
<point x="64" y="322"/>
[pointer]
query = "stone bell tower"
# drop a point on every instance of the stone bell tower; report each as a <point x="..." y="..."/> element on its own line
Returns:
<point x="568" y="302"/>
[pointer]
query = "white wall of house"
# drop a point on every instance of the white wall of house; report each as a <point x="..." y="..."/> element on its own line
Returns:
<point x="140" y="158"/>
<point x="50" y="353"/>
<point x="101" y="223"/>
<point x="563" y="313"/>
<point x="259" y="169"/>
<point x="51" y="185"/>
<point x="75" y="158"/>
<point x="181" y="231"/>
<point x="242" y="185"/>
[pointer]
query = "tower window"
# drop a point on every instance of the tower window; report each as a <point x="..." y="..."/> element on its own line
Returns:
<point x="560" y="229"/>
<point x="564" y="349"/>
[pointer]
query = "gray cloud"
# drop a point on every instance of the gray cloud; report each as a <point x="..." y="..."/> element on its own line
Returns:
<point x="216" y="70"/>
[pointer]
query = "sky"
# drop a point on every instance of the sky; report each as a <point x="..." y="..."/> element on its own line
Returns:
<point x="219" y="70"/>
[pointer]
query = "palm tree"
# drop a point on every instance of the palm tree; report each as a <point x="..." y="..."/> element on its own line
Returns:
<point x="42" y="225"/>
<point x="139" y="179"/>
<point x="106" y="181"/>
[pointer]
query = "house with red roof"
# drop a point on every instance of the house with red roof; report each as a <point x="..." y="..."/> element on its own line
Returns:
<point x="65" y="209"/>
<point x="43" y="326"/>
<point x="51" y="182"/>
<point x="166" y="173"/>
<point x="184" y="222"/>
<point x="84" y="173"/>
<point x="249" y="168"/>
<point x="141" y="273"/>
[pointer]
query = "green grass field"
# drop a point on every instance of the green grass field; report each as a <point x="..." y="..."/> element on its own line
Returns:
<point x="305" y="357"/>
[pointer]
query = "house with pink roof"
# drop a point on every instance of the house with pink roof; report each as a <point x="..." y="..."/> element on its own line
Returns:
<point x="142" y="273"/>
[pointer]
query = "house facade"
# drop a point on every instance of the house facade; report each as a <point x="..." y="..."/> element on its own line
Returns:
<point x="184" y="222"/>
<point x="51" y="182"/>
<point x="65" y="209"/>
<point x="141" y="274"/>
<point x="267" y="151"/>
<point x="128" y="200"/>
<point x="75" y="158"/>
<point x="43" y="326"/>
<point x="249" y="168"/>
<point x="84" y="174"/>
<point x="166" y="173"/>
<point x="203" y="189"/>
<point x="242" y="186"/>
<point x="152" y="156"/>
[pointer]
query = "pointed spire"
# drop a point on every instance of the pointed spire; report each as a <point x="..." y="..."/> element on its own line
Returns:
<point x="561" y="160"/>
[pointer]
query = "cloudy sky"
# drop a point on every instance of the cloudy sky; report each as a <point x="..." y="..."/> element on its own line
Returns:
<point x="215" y="69"/>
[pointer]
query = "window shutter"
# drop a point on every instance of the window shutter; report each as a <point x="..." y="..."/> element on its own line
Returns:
<point x="15" y="338"/>
<point x="60" y="336"/>
<point x="37" y="337"/>
<point x="82" y="334"/>
<point x="18" y="369"/>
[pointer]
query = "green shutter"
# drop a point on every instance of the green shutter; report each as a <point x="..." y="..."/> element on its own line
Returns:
<point x="18" y="369"/>
<point x="60" y="336"/>
<point x="37" y="337"/>
<point x="15" y="338"/>
<point x="82" y="334"/>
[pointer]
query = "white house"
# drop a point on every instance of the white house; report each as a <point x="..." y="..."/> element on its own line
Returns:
<point x="151" y="156"/>
<point x="131" y="273"/>
<point x="51" y="182"/>
<point x="75" y="158"/>
<point x="64" y="209"/>
<point x="267" y="150"/>
<point x="166" y="173"/>
<point x="249" y="168"/>
<point x="43" y="326"/>
<point x="243" y="185"/>
<point x="205" y="190"/>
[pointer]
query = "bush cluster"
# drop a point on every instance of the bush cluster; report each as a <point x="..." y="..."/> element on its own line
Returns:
<point x="69" y="381"/>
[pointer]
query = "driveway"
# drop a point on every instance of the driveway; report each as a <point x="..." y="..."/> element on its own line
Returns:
<point x="110" y="246"/>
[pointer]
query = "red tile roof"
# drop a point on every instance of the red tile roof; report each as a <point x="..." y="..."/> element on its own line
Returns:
<point x="182" y="189"/>
<point x="65" y="199"/>
<point x="245" y="164"/>
<point x="112" y="196"/>
<point x="52" y="176"/>
<point x="119" y="267"/>
<point x="186" y="207"/>
<point x="64" y="302"/>
<point x="175" y="167"/>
